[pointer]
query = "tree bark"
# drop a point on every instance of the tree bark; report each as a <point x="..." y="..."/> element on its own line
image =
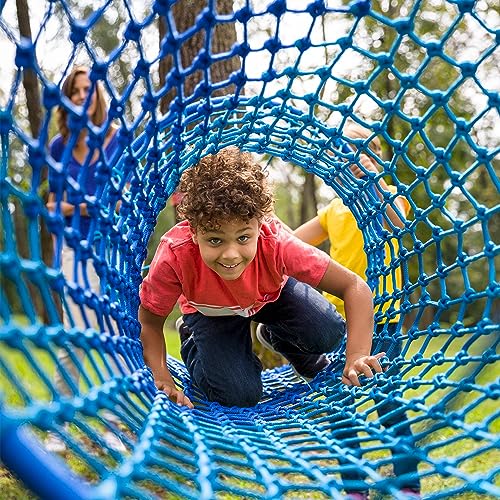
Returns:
<point x="33" y="102"/>
<point x="223" y="38"/>
<point x="30" y="82"/>
<point x="309" y="202"/>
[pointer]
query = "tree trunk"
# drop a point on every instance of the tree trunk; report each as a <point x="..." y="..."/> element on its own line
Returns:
<point x="164" y="67"/>
<point x="30" y="82"/>
<point x="31" y="88"/>
<point x="309" y="202"/>
<point x="223" y="38"/>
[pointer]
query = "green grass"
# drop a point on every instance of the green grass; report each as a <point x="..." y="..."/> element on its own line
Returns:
<point x="173" y="342"/>
<point x="31" y="380"/>
<point x="480" y="464"/>
<point x="10" y="487"/>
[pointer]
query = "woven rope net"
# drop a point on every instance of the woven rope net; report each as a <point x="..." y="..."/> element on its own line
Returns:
<point x="422" y="76"/>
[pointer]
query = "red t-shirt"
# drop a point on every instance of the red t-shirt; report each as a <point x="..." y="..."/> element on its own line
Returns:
<point x="178" y="273"/>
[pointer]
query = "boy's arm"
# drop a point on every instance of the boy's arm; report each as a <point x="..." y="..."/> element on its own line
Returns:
<point x="155" y="355"/>
<point x="358" y="303"/>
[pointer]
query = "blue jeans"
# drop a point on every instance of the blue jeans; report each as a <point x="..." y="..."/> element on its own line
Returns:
<point x="219" y="355"/>
<point x="391" y="417"/>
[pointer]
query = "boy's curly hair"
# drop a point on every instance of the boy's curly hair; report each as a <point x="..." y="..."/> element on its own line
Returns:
<point x="223" y="187"/>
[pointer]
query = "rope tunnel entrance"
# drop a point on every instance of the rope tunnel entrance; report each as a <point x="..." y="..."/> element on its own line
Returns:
<point x="293" y="78"/>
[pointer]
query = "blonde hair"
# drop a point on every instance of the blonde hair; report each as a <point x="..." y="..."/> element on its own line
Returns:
<point x="98" y="116"/>
<point x="354" y="131"/>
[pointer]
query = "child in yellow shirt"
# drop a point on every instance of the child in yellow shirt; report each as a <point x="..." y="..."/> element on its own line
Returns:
<point x="337" y="224"/>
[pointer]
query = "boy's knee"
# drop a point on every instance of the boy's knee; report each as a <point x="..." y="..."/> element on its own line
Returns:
<point x="329" y="337"/>
<point x="236" y="394"/>
<point x="243" y="400"/>
<point x="337" y="324"/>
<point x="325" y="343"/>
<point x="337" y="331"/>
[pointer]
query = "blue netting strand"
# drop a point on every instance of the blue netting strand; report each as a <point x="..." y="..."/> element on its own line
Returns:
<point x="421" y="76"/>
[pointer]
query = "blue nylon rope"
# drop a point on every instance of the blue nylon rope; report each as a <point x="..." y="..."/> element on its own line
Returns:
<point x="285" y="102"/>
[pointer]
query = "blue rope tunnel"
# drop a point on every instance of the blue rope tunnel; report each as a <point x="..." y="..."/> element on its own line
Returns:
<point x="298" y="441"/>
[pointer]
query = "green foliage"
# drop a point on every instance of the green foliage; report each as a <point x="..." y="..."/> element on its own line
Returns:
<point x="437" y="138"/>
<point x="166" y="219"/>
<point x="439" y="122"/>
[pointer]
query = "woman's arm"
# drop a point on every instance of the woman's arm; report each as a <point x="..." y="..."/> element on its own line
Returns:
<point x="358" y="303"/>
<point x="67" y="209"/>
<point x="155" y="356"/>
<point x="311" y="232"/>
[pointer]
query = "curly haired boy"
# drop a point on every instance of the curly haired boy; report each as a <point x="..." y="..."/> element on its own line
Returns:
<point x="229" y="263"/>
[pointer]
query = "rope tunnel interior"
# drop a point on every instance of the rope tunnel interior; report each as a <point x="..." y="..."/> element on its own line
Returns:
<point x="290" y="93"/>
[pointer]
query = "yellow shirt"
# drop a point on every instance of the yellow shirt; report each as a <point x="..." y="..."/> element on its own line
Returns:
<point x="346" y="247"/>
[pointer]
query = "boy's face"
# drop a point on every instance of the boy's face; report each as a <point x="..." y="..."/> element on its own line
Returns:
<point x="230" y="249"/>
